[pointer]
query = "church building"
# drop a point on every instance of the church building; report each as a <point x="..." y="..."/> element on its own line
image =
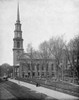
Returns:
<point x="24" y="66"/>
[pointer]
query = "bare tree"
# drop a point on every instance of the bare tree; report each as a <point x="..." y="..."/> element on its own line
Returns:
<point x="73" y="55"/>
<point x="44" y="50"/>
<point x="30" y="52"/>
<point x="45" y="54"/>
<point x="56" y="47"/>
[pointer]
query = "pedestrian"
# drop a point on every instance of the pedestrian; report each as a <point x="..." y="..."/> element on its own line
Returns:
<point x="36" y="84"/>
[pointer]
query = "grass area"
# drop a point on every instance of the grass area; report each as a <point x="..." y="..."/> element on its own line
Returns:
<point x="58" y="86"/>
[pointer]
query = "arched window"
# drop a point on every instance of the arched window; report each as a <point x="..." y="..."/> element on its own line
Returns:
<point x="18" y="44"/>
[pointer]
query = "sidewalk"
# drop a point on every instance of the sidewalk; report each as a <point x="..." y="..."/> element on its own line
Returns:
<point x="49" y="92"/>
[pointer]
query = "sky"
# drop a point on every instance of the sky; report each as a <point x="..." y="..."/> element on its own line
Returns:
<point x="40" y="19"/>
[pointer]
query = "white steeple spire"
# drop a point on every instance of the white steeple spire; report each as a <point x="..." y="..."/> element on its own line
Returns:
<point x="18" y="15"/>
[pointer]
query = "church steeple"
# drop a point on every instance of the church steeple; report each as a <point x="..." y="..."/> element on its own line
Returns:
<point x="18" y="32"/>
<point x="18" y="16"/>
<point x="18" y="40"/>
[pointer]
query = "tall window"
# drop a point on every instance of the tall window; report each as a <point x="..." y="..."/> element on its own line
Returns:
<point x="38" y="74"/>
<point x="47" y="67"/>
<point x="33" y="73"/>
<point x="28" y="66"/>
<point x="33" y="67"/>
<point x="51" y="66"/>
<point x="37" y="66"/>
<point x="42" y="67"/>
<point x="18" y="44"/>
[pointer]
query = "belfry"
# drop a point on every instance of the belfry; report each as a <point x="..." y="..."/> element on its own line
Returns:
<point x="17" y="40"/>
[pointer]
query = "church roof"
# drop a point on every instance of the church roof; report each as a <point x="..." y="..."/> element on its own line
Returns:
<point x="26" y="56"/>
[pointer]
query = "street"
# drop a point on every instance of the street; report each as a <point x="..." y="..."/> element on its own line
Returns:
<point x="12" y="91"/>
<point x="4" y="93"/>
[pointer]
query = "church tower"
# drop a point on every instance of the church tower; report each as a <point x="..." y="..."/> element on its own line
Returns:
<point x="17" y="40"/>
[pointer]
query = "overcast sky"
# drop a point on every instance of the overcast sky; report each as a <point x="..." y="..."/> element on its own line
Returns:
<point x="40" y="19"/>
